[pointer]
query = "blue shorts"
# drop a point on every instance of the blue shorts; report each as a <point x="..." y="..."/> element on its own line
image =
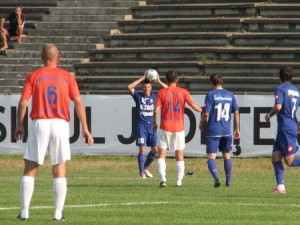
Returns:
<point x="145" y="136"/>
<point x="221" y="144"/>
<point x="286" y="143"/>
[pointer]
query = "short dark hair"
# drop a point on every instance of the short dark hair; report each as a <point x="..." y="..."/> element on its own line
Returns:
<point x="216" y="79"/>
<point x="286" y="73"/>
<point x="171" y="76"/>
<point x="146" y="81"/>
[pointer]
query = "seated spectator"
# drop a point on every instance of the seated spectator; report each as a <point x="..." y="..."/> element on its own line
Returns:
<point x="16" y="27"/>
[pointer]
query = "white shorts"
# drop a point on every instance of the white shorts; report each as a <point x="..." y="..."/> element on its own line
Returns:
<point x="171" y="140"/>
<point x="50" y="135"/>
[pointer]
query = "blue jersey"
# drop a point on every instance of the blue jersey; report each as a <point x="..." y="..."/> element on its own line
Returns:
<point x="287" y="95"/>
<point x="144" y="106"/>
<point x="219" y="103"/>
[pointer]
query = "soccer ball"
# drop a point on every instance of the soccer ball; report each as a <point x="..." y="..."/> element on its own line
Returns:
<point x="151" y="75"/>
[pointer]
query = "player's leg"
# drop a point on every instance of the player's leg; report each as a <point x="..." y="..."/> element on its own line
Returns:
<point x="19" y="32"/>
<point x="161" y="166"/>
<point x="279" y="172"/>
<point x="141" y="137"/>
<point x="225" y="147"/>
<point x="179" y="155"/>
<point x="141" y="160"/>
<point x="151" y="141"/>
<point x="34" y="155"/>
<point x="4" y="34"/>
<point x="290" y="155"/>
<point x="212" y="145"/>
<point x="59" y="149"/>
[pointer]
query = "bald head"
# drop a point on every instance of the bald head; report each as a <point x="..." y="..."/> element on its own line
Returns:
<point x="50" y="52"/>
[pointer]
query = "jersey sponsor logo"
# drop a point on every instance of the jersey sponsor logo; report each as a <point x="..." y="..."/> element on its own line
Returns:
<point x="147" y="107"/>
<point x="276" y="96"/>
<point x="221" y="98"/>
<point x="293" y="93"/>
<point x="147" y="113"/>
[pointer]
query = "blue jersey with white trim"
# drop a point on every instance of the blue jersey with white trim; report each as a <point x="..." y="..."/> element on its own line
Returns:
<point x="144" y="106"/>
<point x="220" y="104"/>
<point x="287" y="95"/>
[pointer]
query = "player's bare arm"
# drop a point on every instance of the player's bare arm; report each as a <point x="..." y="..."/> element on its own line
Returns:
<point x="19" y="132"/>
<point x="80" y="111"/>
<point x="236" y="125"/>
<point x="203" y="121"/>
<point x="158" y="81"/>
<point x="273" y="112"/>
<point x="196" y="107"/>
<point x="155" y="113"/>
<point x="135" y="83"/>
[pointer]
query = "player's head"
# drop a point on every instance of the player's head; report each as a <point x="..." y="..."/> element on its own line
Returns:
<point x="285" y="74"/>
<point x="172" y="77"/>
<point x="50" y="53"/>
<point x="216" y="80"/>
<point x="18" y="10"/>
<point x="146" y="87"/>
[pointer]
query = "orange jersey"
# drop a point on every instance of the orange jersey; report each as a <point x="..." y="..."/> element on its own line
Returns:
<point x="51" y="89"/>
<point x="172" y="102"/>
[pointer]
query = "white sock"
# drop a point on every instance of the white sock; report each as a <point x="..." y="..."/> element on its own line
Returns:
<point x="161" y="168"/>
<point x="59" y="193"/>
<point x="26" y="191"/>
<point x="180" y="172"/>
<point x="281" y="187"/>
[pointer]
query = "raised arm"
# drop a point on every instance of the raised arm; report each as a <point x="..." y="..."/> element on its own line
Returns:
<point x="162" y="84"/>
<point x="134" y="84"/>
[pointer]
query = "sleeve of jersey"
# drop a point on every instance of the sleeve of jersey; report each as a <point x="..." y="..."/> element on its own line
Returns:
<point x="207" y="104"/>
<point x="27" y="89"/>
<point x="278" y="96"/>
<point x="73" y="88"/>
<point x="188" y="98"/>
<point x="135" y="95"/>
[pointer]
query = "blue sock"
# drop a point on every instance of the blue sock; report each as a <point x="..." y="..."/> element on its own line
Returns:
<point x="213" y="168"/>
<point x="141" y="160"/>
<point x="228" y="170"/>
<point x="296" y="162"/>
<point x="150" y="158"/>
<point x="279" y="172"/>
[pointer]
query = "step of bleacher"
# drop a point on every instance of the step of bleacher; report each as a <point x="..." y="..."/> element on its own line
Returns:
<point x="37" y="54"/>
<point x="61" y="47"/>
<point x="167" y="39"/>
<point x="96" y="3"/>
<point x="157" y="2"/>
<point x="37" y="61"/>
<point x="28" y="67"/>
<point x="194" y="11"/>
<point x="189" y="39"/>
<point x="181" y="25"/>
<point x="62" y="40"/>
<point x="30" y="13"/>
<point x="248" y="69"/>
<point x="85" y="18"/>
<point x="91" y="11"/>
<point x="228" y="53"/>
<point x="69" y="32"/>
<point x="279" y="10"/>
<point x="76" y="25"/>
<point x="134" y="68"/>
<point x="272" y="24"/>
<point x="28" y="3"/>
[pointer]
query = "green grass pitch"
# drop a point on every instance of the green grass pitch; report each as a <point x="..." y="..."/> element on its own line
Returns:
<point x="106" y="190"/>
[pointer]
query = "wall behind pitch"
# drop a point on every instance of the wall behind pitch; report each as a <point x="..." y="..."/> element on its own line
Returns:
<point x="112" y="120"/>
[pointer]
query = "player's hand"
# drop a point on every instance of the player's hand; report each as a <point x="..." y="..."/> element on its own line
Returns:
<point x="236" y="134"/>
<point x="88" y="138"/>
<point x="267" y="117"/>
<point x="202" y="125"/>
<point x="19" y="133"/>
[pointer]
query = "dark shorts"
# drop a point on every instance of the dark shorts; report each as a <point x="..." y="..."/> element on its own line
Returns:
<point x="145" y="136"/>
<point x="286" y="143"/>
<point x="12" y="32"/>
<point x="221" y="144"/>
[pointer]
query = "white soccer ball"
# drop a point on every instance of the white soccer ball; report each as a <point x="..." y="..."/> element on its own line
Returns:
<point x="152" y="75"/>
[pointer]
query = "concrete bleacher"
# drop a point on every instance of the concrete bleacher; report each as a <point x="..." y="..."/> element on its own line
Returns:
<point x="75" y="26"/>
<point x="247" y="41"/>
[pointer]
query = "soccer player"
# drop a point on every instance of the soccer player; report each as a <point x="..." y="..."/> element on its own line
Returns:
<point x="16" y="27"/>
<point x="216" y="122"/>
<point x="171" y="103"/>
<point x="145" y="136"/>
<point x="50" y="88"/>
<point x="285" y="147"/>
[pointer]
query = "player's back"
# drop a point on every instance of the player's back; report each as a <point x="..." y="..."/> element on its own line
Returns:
<point x="51" y="89"/>
<point x="219" y="103"/>
<point x="288" y="96"/>
<point x="172" y="100"/>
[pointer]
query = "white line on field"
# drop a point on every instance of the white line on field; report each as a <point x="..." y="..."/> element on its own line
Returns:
<point x="156" y="203"/>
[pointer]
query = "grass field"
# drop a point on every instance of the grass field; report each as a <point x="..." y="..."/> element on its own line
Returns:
<point x="106" y="190"/>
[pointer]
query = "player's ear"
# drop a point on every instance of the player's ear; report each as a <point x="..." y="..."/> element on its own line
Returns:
<point x="58" y="57"/>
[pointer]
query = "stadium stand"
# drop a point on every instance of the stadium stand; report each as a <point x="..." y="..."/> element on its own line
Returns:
<point x="75" y="26"/>
<point x="247" y="41"/>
